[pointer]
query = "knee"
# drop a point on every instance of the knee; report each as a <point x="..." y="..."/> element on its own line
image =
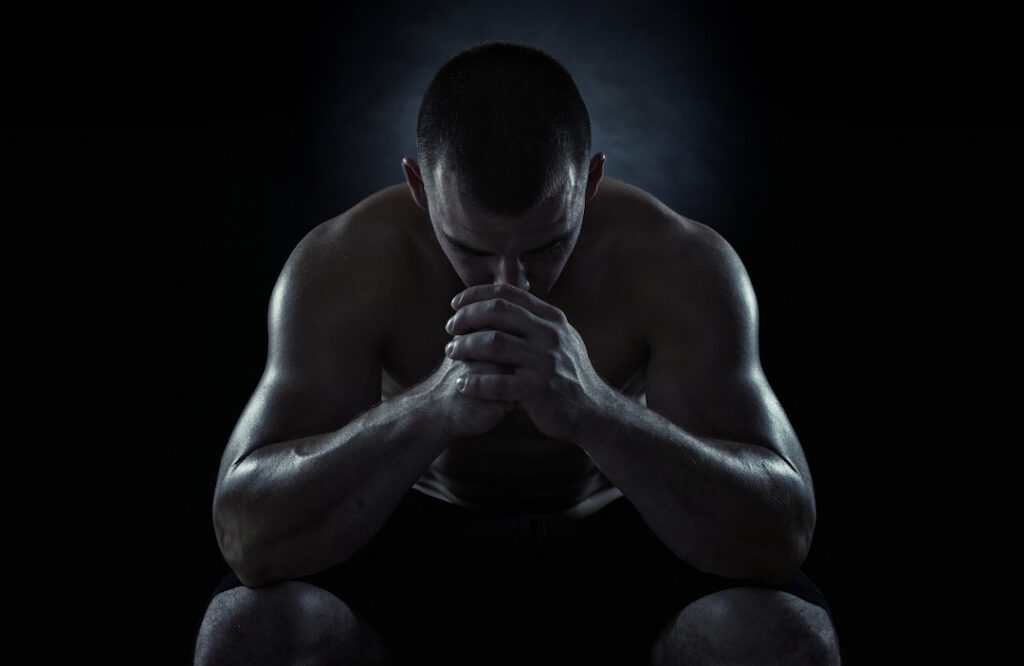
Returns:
<point x="285" y="623"/>
<point x="748" y="626"/>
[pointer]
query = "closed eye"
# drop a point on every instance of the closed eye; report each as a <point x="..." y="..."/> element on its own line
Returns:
<point x="552" y="250"/>
<point x="465" y="250"/>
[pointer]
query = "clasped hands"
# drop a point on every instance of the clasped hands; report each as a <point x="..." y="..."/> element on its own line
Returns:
<point x="544" y="365"/>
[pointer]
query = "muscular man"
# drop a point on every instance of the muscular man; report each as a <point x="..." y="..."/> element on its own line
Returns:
<point x="513" y="411"/>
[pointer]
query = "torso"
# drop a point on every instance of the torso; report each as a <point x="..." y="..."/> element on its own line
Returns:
<point x="515" y="467"/>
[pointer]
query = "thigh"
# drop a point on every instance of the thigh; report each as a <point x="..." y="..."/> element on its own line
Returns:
<point x="748" y="625"/>
<point x="291" y="622"/>
<point x="627" y="585"/>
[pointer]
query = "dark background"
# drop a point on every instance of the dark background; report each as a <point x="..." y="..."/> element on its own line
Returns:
<point x="166" y="161"/>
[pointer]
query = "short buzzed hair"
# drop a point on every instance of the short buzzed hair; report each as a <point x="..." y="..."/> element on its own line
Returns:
<point x="507" y="119"/>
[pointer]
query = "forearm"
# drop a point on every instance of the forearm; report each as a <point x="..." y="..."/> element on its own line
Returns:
<point x="293" y="508"/>
<point x="729" y="508"/>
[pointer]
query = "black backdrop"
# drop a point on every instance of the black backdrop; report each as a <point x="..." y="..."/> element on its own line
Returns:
<point x="167" y="160"/>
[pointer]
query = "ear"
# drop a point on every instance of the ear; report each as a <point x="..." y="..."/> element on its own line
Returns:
<point x="595" y="175"/>
<point x="415" y="180"/>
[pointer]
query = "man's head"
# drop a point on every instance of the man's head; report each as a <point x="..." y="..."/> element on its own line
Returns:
<point x="503" y="143"/>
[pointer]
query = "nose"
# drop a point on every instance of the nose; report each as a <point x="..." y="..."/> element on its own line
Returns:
<point x="510" y="270"/>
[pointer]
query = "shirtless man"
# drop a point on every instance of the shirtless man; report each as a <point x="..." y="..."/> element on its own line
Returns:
<point x="510" y="402"/>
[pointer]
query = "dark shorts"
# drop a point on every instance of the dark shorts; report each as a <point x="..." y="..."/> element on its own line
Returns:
<point x="443" y="581"/>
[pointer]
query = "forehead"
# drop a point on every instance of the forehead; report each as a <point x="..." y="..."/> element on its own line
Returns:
<point x="458" y="218"/>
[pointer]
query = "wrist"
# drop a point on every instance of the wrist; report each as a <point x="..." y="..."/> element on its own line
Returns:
<point x="422" y="407"/>
<point x="600" y="418"/>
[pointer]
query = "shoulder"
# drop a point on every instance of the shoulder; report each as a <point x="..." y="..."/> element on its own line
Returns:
<point x="657" y="243"/>
<point x="369" y="245"/>
<point x="356" y="240"/>
<point x="684" y="274"/>
<point x="344" y="262"/>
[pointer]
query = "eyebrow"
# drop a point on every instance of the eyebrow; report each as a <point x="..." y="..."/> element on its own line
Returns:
<point x="484" y="253"/>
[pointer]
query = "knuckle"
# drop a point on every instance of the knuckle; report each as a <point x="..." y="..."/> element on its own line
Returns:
<point x="549" y="362"/>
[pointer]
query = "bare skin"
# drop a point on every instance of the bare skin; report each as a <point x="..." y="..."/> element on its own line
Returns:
<point x="599" y="345"/>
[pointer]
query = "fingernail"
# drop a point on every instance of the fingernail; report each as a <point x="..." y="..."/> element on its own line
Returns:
<point x="456" y="300"/>
<point x="450" y="325"/>
<point x="449" y="348"/>
<point x="460" y="383"/>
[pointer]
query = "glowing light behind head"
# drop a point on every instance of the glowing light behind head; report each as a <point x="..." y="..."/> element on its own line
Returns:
<point x="646" y="74"/>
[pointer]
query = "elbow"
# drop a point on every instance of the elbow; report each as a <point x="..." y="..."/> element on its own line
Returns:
<point x="249" y="569"/>
<point x="252" y="574"/>
<point x="257" y="566"/>
<point x="261" y="554"/>
<point x="242" y="543"/>
<point x="774" y="563"/>
<point x="783" y="552"/>
<point x="786" y="530"/>
<point x="770" y="551"/>
<point x="773" y="560"/>
<point x="778" y="565"/>
<point x="249" y="556"/>
<point x="237" y="546"/>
